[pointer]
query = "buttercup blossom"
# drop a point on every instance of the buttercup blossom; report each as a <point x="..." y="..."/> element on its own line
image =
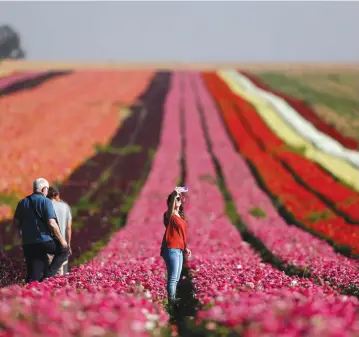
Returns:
<point x="291" y="244"/>
<point x="122" y="290"/>
<point x="255" y="298"/>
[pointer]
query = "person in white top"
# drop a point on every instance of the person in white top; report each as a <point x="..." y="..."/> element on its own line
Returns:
<point x="64" y="220"/>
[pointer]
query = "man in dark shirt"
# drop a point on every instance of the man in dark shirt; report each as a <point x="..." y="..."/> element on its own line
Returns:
<point x="40" y="232"/>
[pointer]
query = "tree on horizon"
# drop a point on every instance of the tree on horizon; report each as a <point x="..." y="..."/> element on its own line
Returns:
<point x="10" y="44"/>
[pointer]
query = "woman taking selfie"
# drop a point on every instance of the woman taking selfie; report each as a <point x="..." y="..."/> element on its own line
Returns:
<point x="174" y="242"/>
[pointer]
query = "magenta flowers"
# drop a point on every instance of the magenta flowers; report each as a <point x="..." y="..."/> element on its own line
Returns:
<point x="294" y="246"/>
<point x="235" y="287"/>
<point x="122" y="291"/>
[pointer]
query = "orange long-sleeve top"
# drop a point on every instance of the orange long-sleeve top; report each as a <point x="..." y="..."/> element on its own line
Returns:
<point x="176" y="233"/>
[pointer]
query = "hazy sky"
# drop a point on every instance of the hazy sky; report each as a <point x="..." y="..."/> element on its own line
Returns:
<point x="186" y="31"/>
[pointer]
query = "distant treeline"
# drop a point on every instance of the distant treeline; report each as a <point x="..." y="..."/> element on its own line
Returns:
<point x="10" y="45"/>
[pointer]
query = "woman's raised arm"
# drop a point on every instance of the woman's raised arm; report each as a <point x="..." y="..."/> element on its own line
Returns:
<point x="171" y="205"/>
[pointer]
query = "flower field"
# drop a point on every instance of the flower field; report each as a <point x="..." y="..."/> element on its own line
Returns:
<point x="272" y="209"/>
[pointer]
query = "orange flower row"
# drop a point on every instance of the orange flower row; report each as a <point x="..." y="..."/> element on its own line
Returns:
<point x="50" y="130"/>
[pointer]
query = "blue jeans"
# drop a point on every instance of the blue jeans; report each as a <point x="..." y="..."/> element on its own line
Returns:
<point x="174" y="261"/>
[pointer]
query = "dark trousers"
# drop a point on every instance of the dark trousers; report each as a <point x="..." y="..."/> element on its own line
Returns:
<point x="37" y="263"/>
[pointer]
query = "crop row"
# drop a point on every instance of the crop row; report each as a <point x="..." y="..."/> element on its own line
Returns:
<point x="303" y="128"/>
<point x="90" y="300"/>
<point x="235" y="288"/>
<point x="307" y="112"/>
<point x="100" y="190"/>
<point x="334" y="164"/>
<point x="12" y="78"/>
<point x="120" y="291"/>
<point x="60" y="141"/>
<point x="253" y="140"/>
<point x="290" y="244"/>
<point x="63" y="103"/>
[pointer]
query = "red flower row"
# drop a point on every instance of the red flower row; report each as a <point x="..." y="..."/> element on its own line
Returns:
<point x="240" y="291"/>
<point x="306" y="111"/>
<point x="234" y="286"/>
<point x="258" y="144"/>
<point x="289" y="243"/>
<point x="342" y="198"/>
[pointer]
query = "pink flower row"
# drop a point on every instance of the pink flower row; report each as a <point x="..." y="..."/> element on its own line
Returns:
<point x="291" y="244"/>
<point x="240" y="291"/>
<point x="117" y="293"/>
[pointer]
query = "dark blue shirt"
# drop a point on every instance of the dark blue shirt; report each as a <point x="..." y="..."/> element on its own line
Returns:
<point x="34" y="230"/>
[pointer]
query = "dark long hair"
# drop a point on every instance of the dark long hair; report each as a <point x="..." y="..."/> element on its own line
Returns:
<point x="170" y="199"/>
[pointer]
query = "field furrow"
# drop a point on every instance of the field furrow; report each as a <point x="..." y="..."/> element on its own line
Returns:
<point x="298" y="123"/>
<point x="338" y="167"/>
<point x="126" y="279"/>
<point x="292" y="246"/>
<point x="102" y="190"/>
<point x="307" y="112"/>
<point x="272" y="206"/>
<point x="235" y="288"/>
<point x="299" y="204"/>
<point x="62" y="103"/>
<point x="340" y="198"/>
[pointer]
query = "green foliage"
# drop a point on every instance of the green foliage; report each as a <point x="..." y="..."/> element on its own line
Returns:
<point x="9" y="199"/>
<point x="294" y="87"/>
<point x="299" y="149"/>
<point x="209" y="328"/>
<point x="91" y="253"/>
<point x="230" y="207"/>
<point x="258" y="212"/>
<point x="119" y="220"/>
<point x="317" y="216"/>
<point x="350" y="201"/>
<point x="123" y="151"/>
<point x="347" y="185"/>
